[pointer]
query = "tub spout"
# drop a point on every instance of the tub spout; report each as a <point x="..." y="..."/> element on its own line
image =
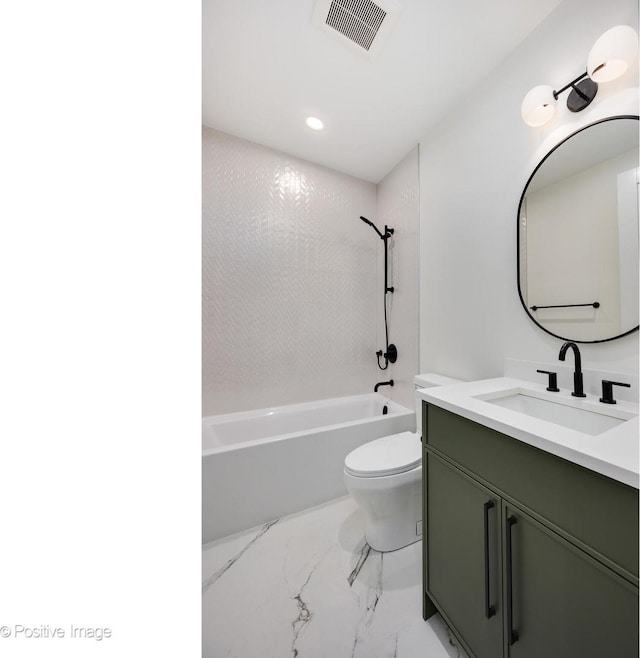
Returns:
<point x="389" y="383"/>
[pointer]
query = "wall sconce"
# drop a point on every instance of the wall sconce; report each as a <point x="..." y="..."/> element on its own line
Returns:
<point x="610" y="56"/>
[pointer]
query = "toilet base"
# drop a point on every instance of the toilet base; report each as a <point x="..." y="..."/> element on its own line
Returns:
<point x="380" y="542"/>
<point x="392" y="508"/>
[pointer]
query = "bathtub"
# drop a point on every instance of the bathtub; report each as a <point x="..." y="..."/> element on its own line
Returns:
<point x="260" y="465"/>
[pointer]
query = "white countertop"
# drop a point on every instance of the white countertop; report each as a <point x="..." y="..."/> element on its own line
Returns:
<point x="614" y="453"/>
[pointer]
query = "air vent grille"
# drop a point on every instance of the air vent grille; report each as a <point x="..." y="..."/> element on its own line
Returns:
<point x="358" y="20"/>
<point x="362" y="25"/>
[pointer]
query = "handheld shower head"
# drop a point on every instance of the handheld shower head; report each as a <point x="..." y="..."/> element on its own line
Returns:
<point x="388" y="232"/>
<point x="375" y="228"/>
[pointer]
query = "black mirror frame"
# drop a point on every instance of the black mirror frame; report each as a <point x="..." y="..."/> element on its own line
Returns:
<point x="524" y="305"/>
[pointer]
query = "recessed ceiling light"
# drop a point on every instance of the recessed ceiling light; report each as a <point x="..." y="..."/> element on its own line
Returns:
<point x="314" y="123"/>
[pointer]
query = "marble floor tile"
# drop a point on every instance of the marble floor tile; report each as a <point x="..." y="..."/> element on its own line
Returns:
<point x="308" y="586"/>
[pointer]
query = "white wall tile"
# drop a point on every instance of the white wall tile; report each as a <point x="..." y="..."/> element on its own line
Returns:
<point x="289" y="279"/>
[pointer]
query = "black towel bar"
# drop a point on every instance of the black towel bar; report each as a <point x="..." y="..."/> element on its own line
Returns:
<point x="594" y="304"/>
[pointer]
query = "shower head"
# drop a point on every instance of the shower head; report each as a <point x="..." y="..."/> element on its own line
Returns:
<point x="375" y="228"/>
<point x="388" y="232"/>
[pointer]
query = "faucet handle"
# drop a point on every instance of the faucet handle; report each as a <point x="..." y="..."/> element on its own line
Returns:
<point x="607" y="390"/>
<point x="553" y="380"/>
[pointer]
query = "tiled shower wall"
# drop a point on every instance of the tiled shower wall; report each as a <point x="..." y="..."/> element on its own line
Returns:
<point x="292" y="279"/>
<point x="289" y="279"/>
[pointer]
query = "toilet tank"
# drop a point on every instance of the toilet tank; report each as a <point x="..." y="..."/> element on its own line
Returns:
<point x="428" y="380"/>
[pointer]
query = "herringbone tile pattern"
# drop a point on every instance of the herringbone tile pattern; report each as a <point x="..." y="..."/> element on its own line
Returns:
<point x="290" y="295"/>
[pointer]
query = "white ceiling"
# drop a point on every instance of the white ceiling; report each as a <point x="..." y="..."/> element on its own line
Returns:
<point x="266" y="67"/>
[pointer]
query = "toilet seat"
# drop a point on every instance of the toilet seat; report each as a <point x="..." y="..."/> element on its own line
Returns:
<point x="389" y="455"/>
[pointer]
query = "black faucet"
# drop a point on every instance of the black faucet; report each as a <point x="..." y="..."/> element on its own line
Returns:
<point x="577" y="375"/>
<point x="389" y="383"/>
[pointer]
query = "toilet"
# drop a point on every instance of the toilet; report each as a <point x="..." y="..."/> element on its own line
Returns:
<point x="384" y="477"/>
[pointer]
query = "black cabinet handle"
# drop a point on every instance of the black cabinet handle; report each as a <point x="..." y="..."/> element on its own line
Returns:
<point x="489" y="610"/>
<point x="513" y="635"/>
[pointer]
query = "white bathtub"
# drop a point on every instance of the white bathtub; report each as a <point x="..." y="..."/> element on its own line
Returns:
<point x="260" y="465"/>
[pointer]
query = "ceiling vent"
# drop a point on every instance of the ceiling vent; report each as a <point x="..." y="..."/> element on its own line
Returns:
<point x="360" y="23"/>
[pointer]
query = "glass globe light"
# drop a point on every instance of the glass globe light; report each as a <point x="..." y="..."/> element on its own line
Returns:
<point x="612" y="54"/>
<point x="538" y="106"/>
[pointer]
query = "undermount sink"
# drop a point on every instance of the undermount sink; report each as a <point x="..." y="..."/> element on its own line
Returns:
<point x="575" y="413"/>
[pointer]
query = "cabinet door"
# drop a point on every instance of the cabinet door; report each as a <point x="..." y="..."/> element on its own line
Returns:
<point x="560" y="602"/>
<point x="462" y="565"/>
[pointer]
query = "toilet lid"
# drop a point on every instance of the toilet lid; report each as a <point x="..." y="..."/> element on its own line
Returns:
<point x="389" y="455"/>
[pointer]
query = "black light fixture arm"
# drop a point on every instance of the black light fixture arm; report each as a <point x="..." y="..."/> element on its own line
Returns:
<point x="572" y="85"/>
<point x="583" y="91"/>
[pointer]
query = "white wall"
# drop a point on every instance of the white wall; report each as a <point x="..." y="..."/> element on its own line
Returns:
<point x="289" y="279"/>
<point x="473" y="168"/>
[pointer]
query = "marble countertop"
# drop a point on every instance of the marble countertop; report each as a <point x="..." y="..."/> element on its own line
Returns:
<point x="614" y="453"/>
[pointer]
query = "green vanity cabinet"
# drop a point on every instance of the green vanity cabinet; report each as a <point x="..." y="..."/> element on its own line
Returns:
<point x="456" y="517"/>
<point x="501" y="562"/>
<point x="559" y="601"/>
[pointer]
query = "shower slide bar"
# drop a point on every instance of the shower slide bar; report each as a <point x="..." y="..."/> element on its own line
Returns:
<point x="391" y="354"/>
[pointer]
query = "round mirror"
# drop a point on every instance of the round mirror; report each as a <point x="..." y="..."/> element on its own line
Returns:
<point x="578" y="235"/>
